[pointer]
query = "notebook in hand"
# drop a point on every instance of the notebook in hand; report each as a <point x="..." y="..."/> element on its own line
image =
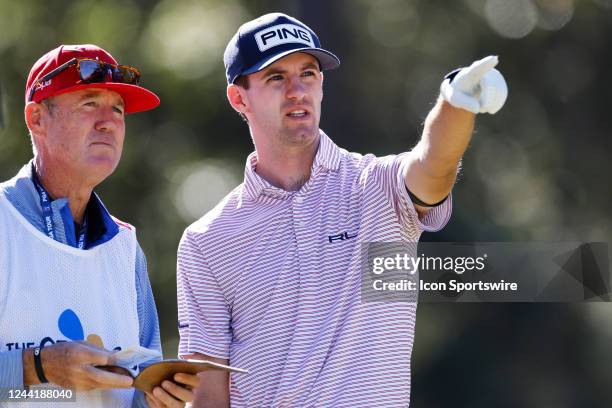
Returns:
<point x="153" y="375"/>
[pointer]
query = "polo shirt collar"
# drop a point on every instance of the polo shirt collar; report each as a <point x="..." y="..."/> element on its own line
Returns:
<point x="327" y="158"/>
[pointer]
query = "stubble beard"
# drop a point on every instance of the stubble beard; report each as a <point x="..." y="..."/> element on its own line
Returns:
<point x="299" y="136"/>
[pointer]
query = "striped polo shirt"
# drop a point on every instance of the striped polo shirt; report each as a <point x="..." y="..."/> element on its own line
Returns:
<point x="261" y="283"/>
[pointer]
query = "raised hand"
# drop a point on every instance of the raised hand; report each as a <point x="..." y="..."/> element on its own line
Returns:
<point x="479" y="88"/>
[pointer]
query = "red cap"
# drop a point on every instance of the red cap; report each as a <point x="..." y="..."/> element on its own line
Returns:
<point x="135" y="98"/>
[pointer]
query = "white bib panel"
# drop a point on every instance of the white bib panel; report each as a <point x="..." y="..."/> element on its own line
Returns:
<point x="52" y="292"/>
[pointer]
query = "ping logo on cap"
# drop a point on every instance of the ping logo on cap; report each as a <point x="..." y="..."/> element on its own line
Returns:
<point x="282" y="34"/>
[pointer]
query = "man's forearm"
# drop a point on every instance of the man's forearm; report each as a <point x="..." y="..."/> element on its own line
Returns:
<point x="446" y="135"/>
<point x="432" y="166"/>
<point x="29" y="371"/>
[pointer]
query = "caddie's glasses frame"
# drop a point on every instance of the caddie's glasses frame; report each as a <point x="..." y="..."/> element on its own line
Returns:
<point x="92" y="71"/>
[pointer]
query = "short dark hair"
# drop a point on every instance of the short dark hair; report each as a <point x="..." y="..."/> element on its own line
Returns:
<point x="242" y="81"/>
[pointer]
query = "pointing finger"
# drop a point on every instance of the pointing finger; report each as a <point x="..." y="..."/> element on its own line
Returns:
<point x="479" y="68"/>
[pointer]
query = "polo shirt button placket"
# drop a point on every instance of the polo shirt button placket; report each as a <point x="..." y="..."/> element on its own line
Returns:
<point x="297" y="211"/>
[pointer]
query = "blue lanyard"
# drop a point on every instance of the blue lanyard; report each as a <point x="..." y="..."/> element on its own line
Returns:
<point x="45" y="203"/>
<point x="82" y="233"/>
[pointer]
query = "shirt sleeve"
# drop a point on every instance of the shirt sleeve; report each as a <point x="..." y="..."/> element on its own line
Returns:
<point x="145" y="303"/>
<point x="139" y="400"/>
<point x="386" y="174"/>
<point x="203" y="312"/>
<point x="147" y="318"/>
<point x="11" y="369"/>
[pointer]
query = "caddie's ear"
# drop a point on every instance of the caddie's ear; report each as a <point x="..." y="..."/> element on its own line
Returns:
<point x="35" y="115"/>
<point x="236" y="98"/>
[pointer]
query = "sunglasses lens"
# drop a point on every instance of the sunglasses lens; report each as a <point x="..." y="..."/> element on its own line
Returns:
<point x="91" y="71"/>
<point x="126" y="75"/>
<point x="96" y="71"/>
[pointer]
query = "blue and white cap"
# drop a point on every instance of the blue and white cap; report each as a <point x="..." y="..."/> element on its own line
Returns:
<point x="260" y="42"/>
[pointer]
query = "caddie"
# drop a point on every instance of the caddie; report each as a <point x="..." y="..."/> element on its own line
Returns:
<point x="270" y="279"/>
<point x="73" y="279"/>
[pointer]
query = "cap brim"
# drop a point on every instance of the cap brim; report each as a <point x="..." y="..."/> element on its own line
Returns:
<point x="325" y="58"/>
<point x="135" y="98"/>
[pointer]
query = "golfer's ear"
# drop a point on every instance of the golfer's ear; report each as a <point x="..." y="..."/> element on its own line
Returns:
<point x="236" y="98"/>
<point x="322" y="80"/>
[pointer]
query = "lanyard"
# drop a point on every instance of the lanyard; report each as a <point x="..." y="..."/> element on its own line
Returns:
<point x="45" y="203"/>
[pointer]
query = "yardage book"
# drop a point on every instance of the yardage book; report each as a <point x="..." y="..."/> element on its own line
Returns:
<point x="153" y="375"/>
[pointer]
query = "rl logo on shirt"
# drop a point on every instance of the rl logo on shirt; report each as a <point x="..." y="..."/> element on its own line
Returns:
<point x="341" y="237"/>
<point x="282" y="34"/>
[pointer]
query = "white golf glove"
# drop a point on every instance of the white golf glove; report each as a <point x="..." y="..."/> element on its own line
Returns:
<point x="478" y="88"/>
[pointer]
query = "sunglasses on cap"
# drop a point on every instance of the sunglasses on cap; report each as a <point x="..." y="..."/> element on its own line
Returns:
<point x="93" y="71"/>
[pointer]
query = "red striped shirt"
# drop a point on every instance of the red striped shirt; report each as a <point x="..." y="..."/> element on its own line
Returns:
<point x="261" y="284"/>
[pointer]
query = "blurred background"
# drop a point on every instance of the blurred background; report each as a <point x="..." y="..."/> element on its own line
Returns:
<point x="539" y="170"/>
